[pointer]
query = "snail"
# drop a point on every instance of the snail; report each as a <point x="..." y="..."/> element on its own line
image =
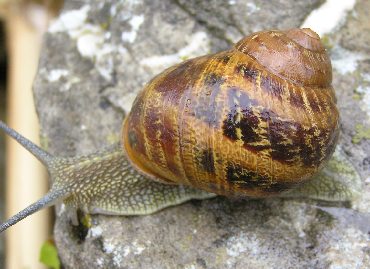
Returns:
<point x="256" y="121"/>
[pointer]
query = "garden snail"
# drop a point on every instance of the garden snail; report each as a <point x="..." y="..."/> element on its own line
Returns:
<point x="255" y="121"/>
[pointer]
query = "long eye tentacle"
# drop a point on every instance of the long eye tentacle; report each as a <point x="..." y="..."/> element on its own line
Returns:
<point x="35" y="150"/>
<point x="51" y="198"/>
<point x="54" y="195"/>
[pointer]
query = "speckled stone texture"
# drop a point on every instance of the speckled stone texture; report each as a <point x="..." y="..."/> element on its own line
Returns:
<point x="89" y="73"/>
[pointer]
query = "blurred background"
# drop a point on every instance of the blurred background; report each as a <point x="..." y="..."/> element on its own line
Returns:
<point x="22" y="178"/>
<point x="2" y="135"/>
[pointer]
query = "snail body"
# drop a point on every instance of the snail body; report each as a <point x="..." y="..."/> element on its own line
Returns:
<point x="256" y="121"/>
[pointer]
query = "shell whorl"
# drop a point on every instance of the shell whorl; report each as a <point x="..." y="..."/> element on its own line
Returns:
<point x="295" y="54"/>
<point x="232" y="123"/>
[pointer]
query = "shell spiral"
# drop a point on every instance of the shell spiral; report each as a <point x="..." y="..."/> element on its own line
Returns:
<point x="254" y="121"/>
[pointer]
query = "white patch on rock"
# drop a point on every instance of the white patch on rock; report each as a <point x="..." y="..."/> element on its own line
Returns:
<point x="100" y="261"/>
<point x="235" y="249"/>
<point x="56" y="74"/>
<point x="241" y="243"/>
<point x="109" y="248"/>
<point x="126" y="251"/>
<point x="90" y="39"/>
<point x="198" y="45"/>
<point x="95" y="231"/>
<point x="135" y="23"/>
<point x="117" y="260"/>
<point x="365" y="91"/>
<point x="253" y="8"/>
<point x="165" y="60"/>
<point x="366" y="102"/>
<point x="116" y="250"/>
<point x="303" y="234"/>
<point x="89" y="44"/>
<point x="346" y="252"/>
<point x="345" y="61"/>
<point x="328" y="16"/>
<point x="137" y="248"/>
<point x="70" y="20"/>
<point x="197" y="41"/>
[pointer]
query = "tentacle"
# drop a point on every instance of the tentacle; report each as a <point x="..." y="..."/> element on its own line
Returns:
<point x="51" y="198"/>
<point x="35" y="150"/>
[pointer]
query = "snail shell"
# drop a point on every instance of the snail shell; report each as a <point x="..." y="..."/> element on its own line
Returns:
<point x="254" y="121"/>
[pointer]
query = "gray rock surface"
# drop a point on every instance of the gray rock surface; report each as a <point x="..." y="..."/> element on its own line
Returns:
<point x="99" y="53"/>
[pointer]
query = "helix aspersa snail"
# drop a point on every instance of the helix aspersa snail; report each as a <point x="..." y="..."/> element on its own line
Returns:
<point x="256" y="121"/>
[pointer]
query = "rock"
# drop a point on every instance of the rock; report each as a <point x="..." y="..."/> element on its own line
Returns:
<point x="98" y="54"/>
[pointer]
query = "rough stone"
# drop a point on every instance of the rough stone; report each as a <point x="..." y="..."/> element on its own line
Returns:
<point x="92" y="66"/>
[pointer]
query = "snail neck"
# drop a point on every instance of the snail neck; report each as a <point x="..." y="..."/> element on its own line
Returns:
<point x="87" y="174"/>
<point x="86" y="179"/>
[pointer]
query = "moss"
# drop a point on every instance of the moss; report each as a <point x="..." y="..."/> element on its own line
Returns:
<point x="325" y="42"/>
<point x="361" y="133"/>
<point x="86" y="220"/>
<point x="104" y="26"/>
